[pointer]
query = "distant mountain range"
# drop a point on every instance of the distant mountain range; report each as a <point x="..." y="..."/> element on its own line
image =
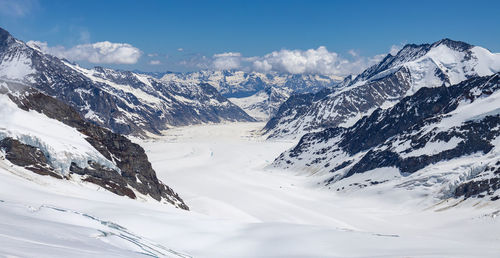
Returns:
<point x="125" y="102"/>
<point x="238" y="84"/>
<point x="259" y="94"/>
<point x="445" y="62"/>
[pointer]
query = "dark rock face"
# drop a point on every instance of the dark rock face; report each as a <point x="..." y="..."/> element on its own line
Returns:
<point x="475" y="188"/>
<point x="28" y="157"/>
<point x="476" y="137"/>
<point x="107" y="178"/>
<point x="135" y="172"/>
<point x="481" y="185"/>
<point x="131" y="158"/>
<point x="124" y="102"/>
<point x="398" y="137"/>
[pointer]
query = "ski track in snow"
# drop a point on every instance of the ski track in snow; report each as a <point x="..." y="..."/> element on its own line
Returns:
<point x="238" y="208"/>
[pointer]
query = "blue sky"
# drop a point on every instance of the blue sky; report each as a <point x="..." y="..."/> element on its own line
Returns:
<point x="191" y="35"/>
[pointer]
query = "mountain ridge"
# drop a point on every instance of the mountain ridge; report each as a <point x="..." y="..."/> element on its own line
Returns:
<point x="122" y="101"/>
<point x="444" y="62"/>
<point x="454" y="126"/>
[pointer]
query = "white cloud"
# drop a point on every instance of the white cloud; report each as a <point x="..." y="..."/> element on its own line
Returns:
<point x="104" y="52"/>
<point x="228" y="54"/>
<point x="262" y="65"/>
<point x="154" y="62"/>
<point x="311" y="61"/>
<point x="180" y="49"/>
<point x="318" y="60"/>
<point x="226" y="61"/>
<point x="152" y="54"/>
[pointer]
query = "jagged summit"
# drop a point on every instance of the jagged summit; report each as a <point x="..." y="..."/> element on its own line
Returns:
<point x="453" y="44"/>
<point x="409" y="53"/>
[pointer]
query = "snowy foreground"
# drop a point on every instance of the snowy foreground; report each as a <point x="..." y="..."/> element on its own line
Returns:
<point x="238" y="208"/>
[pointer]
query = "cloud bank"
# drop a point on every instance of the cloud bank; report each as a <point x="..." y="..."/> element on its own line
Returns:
<point x="226" y="61"/>
<point x="295" y="61"/>
<point x="316" y="61"/>
<point x="310" y="61"/>
<point x="104" y="52"/>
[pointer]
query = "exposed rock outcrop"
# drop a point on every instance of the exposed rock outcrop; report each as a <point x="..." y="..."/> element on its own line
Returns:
<point x="136" y="172"/>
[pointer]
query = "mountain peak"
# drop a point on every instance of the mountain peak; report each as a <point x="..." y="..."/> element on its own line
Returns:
<point x="423" y="48"/>
<point x="453" y="44"/>
<point x="412" y="47"/>
<point x="5" y="37"/>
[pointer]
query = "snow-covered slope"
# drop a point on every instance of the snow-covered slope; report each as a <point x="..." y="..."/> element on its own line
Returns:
<point x="445" y="62"/>
<point x="444" y="139"/>
<point x="60" y="143"/>
<point x="47" y="137"/>
<point x="57" y="219"/>
<point x="259" y="94"/>
<point x="237" y="209"/>
<point x="123" y="101"/>
<point x="263" y="104"/>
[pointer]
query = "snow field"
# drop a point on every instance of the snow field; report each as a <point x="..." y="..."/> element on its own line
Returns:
<point x="238" y="208"/>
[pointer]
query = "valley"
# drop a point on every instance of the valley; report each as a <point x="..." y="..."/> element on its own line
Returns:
<point x="238" y="205"/>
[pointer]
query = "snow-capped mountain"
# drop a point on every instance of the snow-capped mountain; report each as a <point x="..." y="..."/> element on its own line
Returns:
<point x="445" y="62"/>
<point x="259" y="94"/>
<point x="45" y="136"/>
<point x="237" y="84"/>
<point x="123" y="101"/>
<point x="444" y="139"/>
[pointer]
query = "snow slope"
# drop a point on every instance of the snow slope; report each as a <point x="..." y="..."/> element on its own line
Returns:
<point x="441" y="141"/>
<point x="238" y="208"/>
<point x="60" y="143"/>
<point x="250" y="105"/>
<point x="263" y="104"/>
